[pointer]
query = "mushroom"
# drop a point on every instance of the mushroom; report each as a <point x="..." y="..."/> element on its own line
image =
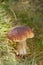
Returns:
<point x="20" y="34"/>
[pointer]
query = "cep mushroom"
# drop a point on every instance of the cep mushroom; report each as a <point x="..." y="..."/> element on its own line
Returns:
<point x="20" y="34"/>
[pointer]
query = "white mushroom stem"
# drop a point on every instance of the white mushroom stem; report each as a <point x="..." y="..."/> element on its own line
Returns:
<point x="22" y="48"/>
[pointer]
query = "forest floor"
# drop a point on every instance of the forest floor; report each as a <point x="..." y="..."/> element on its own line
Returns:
<point x="24" y="12"/>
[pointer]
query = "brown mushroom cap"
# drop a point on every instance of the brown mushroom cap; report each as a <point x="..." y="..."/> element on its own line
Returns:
<point x="20" y="33"/>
